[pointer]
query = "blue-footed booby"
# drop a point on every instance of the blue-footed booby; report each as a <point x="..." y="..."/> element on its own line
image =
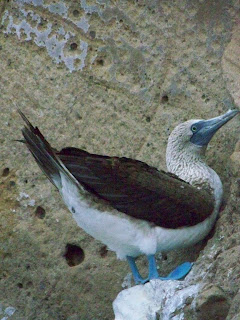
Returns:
<point x="131" y="207"/>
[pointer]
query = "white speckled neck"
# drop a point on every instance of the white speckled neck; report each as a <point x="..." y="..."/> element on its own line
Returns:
<point x="187" y="161"/>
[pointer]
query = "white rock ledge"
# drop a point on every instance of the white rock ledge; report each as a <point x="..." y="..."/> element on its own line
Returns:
<point x="155" y="300"/>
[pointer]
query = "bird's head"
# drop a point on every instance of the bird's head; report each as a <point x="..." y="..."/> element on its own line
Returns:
<point x="196" y="134"/>
<point x="187" y="145"/>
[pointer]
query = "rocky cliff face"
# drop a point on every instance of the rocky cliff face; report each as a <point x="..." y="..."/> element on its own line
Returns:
<point x="112" y="77"/>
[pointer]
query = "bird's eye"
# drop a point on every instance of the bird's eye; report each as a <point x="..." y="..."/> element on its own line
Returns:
<point x="194" y="128"/>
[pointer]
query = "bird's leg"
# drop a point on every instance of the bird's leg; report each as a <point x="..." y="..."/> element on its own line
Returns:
<point x="152" y="268"/>
<point x="177" y="274"/>
<point x="136" y="275"/>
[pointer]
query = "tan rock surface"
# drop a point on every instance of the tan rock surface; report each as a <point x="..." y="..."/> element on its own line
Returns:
<point x="112" y="77"/>
<point x="212" y="304"/>
<point x="231" y="64"/>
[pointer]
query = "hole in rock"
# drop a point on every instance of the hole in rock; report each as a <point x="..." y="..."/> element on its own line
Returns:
<point x="164" y="256"/>
<point x="100" y="62"/>
<point x="40" y="212"/>
<point x="74" y="255"/>
<point x="73" y="46"/>
<point x="148" y="119"/>
<point x="165" y="99"/>
<point x="92" y="34"/>
<point x="75" y="13"/>
<point x="5" y="172"/>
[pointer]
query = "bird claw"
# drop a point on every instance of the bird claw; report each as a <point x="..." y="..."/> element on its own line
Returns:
<point x="141" y="281"/>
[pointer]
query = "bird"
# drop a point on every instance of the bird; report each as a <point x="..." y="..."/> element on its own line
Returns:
<point x="131" y="207"/>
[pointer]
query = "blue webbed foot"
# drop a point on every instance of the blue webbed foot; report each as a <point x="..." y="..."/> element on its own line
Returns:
<point x="177" y="274"/>
<point x="180" y="272"/>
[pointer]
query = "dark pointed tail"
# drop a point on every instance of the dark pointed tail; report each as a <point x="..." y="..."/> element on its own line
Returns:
<point x="44" y="154"/>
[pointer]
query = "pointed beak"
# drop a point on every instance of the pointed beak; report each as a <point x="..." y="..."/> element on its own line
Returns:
<point x="207" y="128"/>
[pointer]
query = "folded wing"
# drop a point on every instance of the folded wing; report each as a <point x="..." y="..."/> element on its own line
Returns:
<point x="138" y="190"/>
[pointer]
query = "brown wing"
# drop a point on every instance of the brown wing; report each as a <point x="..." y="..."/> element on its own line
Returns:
<point x="139" y="190"/>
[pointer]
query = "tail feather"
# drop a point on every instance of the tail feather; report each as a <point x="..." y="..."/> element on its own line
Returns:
<point x="44" y="154"/>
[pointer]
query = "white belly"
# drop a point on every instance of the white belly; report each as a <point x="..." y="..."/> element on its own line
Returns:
<point x="128" y="236"/>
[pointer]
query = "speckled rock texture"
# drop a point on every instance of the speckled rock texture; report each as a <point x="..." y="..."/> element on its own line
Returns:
<point x="111" y="77"/>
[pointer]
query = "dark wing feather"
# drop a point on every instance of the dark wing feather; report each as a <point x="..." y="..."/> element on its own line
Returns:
<point x="139" y="190"/>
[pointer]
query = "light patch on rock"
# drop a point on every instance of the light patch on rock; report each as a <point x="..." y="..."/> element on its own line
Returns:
<point x="89" y="8"/>
<point x="33" y="2"/>
<point x="127" y="281"/>
<point x="83" y="24"/>
<point x="157" y="299"/>
<point x="31" y="203"/>
<point x="7" y="313"/>
<point x="58" y="8"/>
<point x="24" y="196"/>
<point x="54" y="41"/>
